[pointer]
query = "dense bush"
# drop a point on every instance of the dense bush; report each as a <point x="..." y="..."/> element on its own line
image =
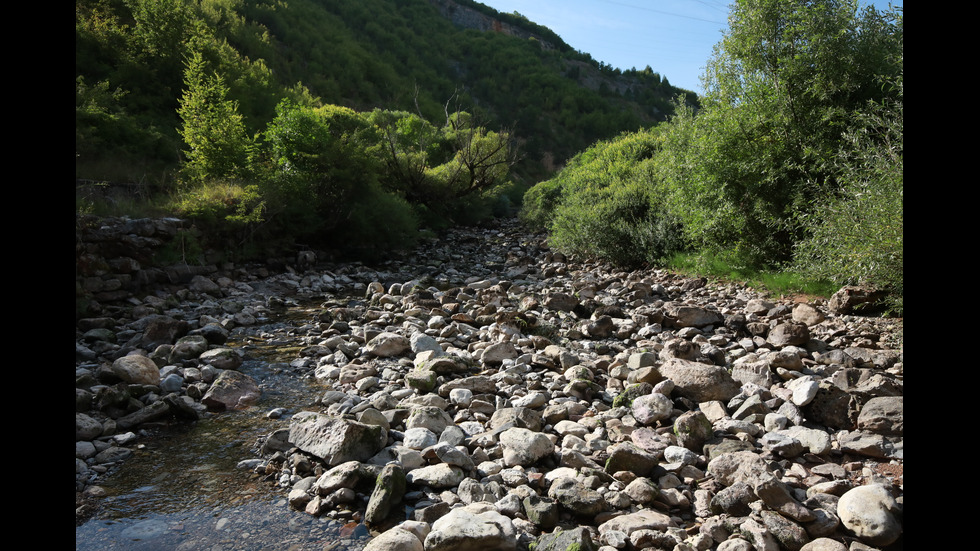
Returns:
<point x="328" y="176"/>
<point x="857" y="234"/>
<point x="539" y="203"/>
<point x="793" y="159"/>
<point x="605" y="204"/>
<point x="784" y="86"/>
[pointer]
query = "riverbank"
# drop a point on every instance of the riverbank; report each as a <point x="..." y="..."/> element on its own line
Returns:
<point x="517" y="388"/>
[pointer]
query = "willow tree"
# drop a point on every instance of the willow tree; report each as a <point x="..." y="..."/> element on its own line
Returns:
<point x="785" y="85"/>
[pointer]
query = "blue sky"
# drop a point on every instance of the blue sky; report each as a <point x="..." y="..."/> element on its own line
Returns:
<point x="674" y="37"/>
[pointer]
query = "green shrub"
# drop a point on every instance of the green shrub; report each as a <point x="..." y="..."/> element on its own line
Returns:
<point x="538" y="205"/>
<point x="377" y="223"/>
<point x="606" y="204"/>
<point x="856" y="236"/>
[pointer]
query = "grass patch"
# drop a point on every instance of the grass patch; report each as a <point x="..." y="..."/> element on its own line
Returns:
<point x="728" y="268"/>
<point x="105" y="200"/>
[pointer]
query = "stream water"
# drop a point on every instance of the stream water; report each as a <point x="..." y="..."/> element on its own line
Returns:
<point x="182" y="490"/>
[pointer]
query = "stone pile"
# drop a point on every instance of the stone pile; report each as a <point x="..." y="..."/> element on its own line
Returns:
<point x="492" y="394"/>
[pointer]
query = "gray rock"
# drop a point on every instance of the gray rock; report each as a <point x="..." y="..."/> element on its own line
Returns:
<point x="627" y="456"/>
<point x="524" y="447"/>
<point x="693" y="429"/>
<point x="189" y="347"/>
<point x="475" y="527"/>
<point x="564" y="540"/>
<point x="870" y="444"/>
<point x="478" y="384"/>
<point x="86" y="427"/>
<point x="694" y="316"/>
<point x="395" y="539"/>
<point x="388" y="344"/>
<point x="496" y="353"/>
<point x="644" y="519"/>
<point x="231" y="390"/>
<point x="222" y="358"/>
<point x="441" y="475"/>
<point x="136" y="369"/>
<point x="808" y="314"/>
<point x="344" y="475"/>
<point x="789" y="534"/>
<point x="824" y="544"/>
<point x="700" y="382"/>
<point x="734" y="500"/>
<point x="542" y="511"/>
<point x="576" y="497"/>
<point x="789" y="334"/>
<point x="650" y="408"/>
<point x="418" y="438"/>
<point x="758" y="535"/>
<point x="389" y="489"/>
<point x="432" y="418"/>
<point x="871" y="513"/>
<point x="883" y="415"/>
<point x="334" y="439"/>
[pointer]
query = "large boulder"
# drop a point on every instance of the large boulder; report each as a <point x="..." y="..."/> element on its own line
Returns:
<point x="231" y="390"/>
<point x="475" y="527"/>
<point x="524" y="447"/>
<point x="871" y="513"/>
<point x="334" y="439"/>
<point x="698" y="381"/>
<point x="388" y="344"/>
<point x="136" y="369"/>
<point x="644" y="519"/>
<point x="685" y="315"/>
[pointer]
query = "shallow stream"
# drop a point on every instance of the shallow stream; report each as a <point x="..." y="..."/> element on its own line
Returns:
<point x="182" y="490"/>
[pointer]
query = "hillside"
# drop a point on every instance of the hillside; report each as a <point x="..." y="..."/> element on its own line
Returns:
<point x="425" y="56"/>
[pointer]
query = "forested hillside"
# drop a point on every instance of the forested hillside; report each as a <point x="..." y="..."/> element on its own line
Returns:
<point x="422" y="56"/>
<point x="359" y="125"/>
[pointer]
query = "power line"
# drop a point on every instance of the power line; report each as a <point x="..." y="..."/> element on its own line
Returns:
<point x="664" y="12"/>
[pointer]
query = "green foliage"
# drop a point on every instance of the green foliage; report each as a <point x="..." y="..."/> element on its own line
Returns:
<point x="606" y="204"/>
<point x="857" y="234"/>
<point x="378" y="222"/>
<point x="481" y="161"/>
<point x="321" y="166"/>
<point x="185" y="248"/>
<point x="363" y="54"/>
<point x="539" y="203"/>
<point x="408" y="147"/>
<point x="218" y="146"/>
<point x="784" y="85"/>
<point x="724" y="265"/>
<point x="217" y="203"/>
<point x="794" y="158"/>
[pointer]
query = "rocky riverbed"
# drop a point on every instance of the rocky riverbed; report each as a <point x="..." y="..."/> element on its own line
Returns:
<point x="489" y="393"/>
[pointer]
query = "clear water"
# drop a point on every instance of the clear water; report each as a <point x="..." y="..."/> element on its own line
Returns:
<point x="182" y="490"/>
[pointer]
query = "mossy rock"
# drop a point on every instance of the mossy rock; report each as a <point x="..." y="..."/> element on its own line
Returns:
<point x="630" y="393"/>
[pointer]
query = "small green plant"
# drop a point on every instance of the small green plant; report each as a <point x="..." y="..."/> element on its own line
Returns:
<point x="185" y="248"/>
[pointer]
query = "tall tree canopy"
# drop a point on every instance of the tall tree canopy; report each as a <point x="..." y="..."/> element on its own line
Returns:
<point x="785" y="84"/>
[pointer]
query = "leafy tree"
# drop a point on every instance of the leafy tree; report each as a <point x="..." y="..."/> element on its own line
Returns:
<point x="408" y="147"/>
<point x="782" y="88"/>
<point x="218" y="146"/>
<point x="857" y="235"/>
<point x="326" y="184"/>
<point x="320" y="157"/>
<point x="482" y="158"/>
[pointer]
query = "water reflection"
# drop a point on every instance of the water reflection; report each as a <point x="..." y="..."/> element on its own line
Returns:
<point x="182" y="488"/>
